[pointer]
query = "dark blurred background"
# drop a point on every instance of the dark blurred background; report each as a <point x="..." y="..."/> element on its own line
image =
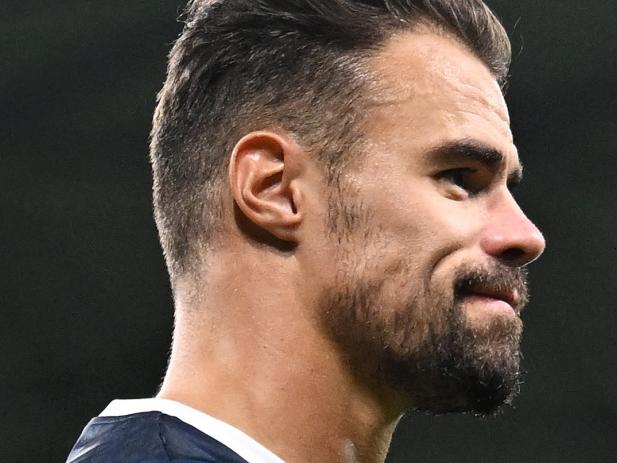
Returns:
<point x="86" y="306"/>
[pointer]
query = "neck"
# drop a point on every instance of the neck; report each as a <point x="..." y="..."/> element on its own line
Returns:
<point x="256" y="358"/>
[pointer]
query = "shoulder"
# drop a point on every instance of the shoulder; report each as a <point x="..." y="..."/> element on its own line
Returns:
<point x="147" y="437"/>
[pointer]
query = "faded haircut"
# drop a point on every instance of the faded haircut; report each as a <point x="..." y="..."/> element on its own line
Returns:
<point x="293" y="65"/>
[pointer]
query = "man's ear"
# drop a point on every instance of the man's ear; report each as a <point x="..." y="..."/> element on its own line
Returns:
<point x="263" y="170"/>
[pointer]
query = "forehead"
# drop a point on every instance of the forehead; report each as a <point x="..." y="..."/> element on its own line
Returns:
<point x="430" y="88"/>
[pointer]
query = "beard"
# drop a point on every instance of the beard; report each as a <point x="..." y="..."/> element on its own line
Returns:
<point x="420" y="343"/>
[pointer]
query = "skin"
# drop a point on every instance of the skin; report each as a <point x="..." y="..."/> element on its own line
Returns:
<point x="253" y="342"/>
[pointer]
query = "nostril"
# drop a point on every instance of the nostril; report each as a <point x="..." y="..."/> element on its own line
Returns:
<point x="513" y="255"/>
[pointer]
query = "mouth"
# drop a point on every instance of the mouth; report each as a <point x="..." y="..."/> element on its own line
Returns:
<point x="487" y="293"/>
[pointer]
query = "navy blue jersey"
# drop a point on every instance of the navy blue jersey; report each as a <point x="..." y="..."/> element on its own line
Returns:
<point x="159" y="430"/>
<point x="147" y="437"/>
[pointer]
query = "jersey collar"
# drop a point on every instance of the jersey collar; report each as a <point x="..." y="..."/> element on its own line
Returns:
<point x="245" y="446"/>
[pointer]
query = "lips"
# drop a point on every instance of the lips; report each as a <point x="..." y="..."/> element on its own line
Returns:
<point x="494" y="287"/>
<point x="487" y="291"/>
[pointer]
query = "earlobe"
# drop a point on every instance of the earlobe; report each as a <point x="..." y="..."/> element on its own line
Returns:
<point x="263" y="170"/>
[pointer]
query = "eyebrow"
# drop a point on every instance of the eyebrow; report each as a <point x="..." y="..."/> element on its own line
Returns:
<point x="476" y="151"/>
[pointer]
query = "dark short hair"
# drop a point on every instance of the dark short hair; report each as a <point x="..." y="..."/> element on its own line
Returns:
<point x="295" y="65"/>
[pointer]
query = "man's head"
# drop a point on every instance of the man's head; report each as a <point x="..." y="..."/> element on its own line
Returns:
<point x="370" y="141"/>
<point x="301" y="66"/>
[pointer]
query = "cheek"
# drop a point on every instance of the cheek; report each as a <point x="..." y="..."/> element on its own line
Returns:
<point x="422" y="242"/>
<point x="425" y="226"/>
<point x="438" y="227"/>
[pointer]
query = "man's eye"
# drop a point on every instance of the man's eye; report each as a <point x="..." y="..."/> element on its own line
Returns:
<point x="461" y="178"/>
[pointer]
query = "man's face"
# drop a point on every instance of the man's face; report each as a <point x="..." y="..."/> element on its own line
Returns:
<point x="428" y="281"/>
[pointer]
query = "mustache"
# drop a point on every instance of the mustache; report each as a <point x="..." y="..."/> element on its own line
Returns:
<point x="495" y="278"/>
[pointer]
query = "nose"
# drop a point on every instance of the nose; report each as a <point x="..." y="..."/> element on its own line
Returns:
<point x="510" y="236"/>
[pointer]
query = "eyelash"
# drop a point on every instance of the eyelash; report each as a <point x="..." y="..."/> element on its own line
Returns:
<point x="459" y="178"/>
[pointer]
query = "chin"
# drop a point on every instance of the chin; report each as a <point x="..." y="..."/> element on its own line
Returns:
<point x="481" y="390"/>
<point x="473" y="367"/>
